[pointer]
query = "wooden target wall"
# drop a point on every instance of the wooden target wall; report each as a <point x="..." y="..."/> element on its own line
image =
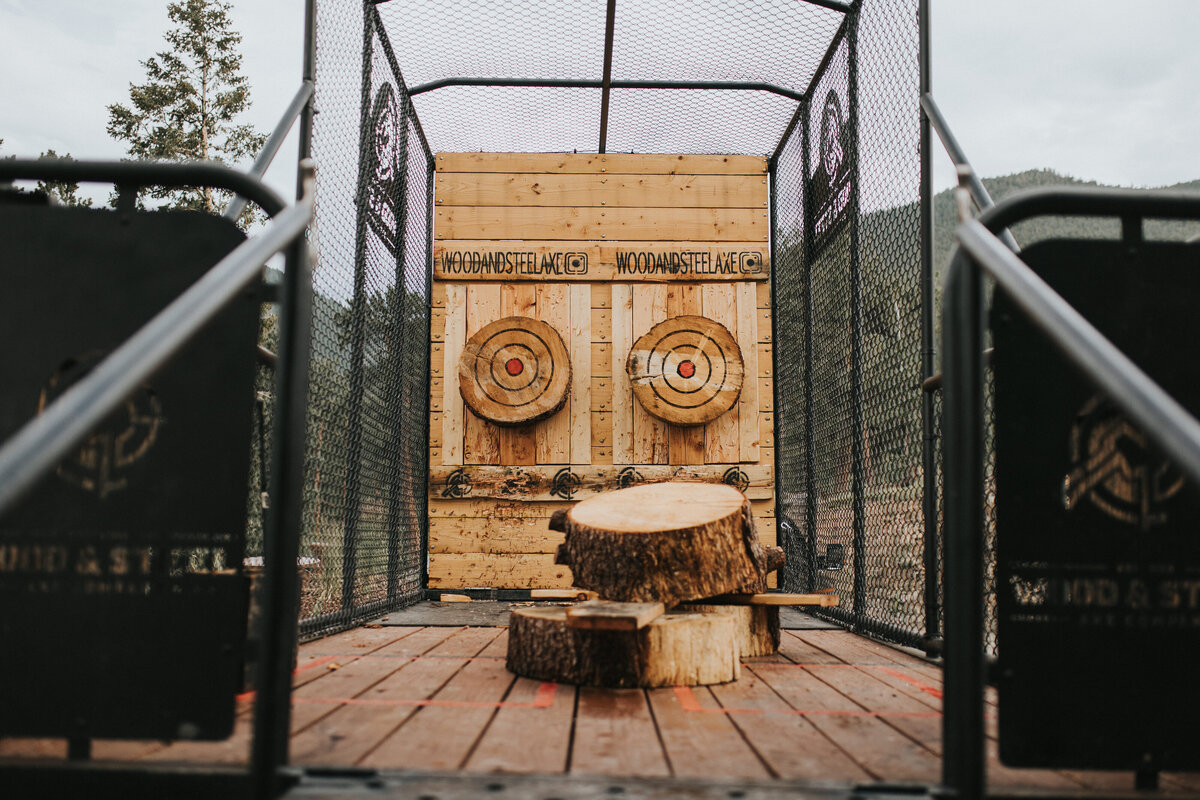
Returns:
<point x="601" y="248"/>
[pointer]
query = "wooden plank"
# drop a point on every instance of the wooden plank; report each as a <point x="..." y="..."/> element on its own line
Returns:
<point x="602" y="394"/>
<point x="790" y="745"/>
<point x="562" y="594"/>
<point x="580" y="347"/>
<point x="649" y="432"/>
<point x="475" y="570"/>
<point x="601" y="429"/>
<point x="517" y="444"/>
<point x="685" y="443"/>
<point x="527" y="739"/>
<point x="453" y="411"/>
<point x="552" y="483"/>
<point x="766" y="394"/>
<point x="601" y="356"/>
<point x="491" y="535"/>
<point x="763" y="293"/>
<point x="609" y="615"/>
<point x="589" y="224"/>
<point x="747" y="337"/>
<point x="610" y="163"/>
<point x="553" y="436"/>
<point x="353" y="730"/>
<point x="702" y="745"/>
<point x="438" y="295"/>
<point x="823" y="600"/>
<point x="442" y="734"/>
<point x="766" y="359"/>
<point x="766" y="432"/>
<point x="600" y="189"/>
<point x="440" y="507"/>
<point x="601" y="324"/>
<point x="622" y="405"/>
<point x="604" y="253"/>
<point x="721" y="436"/>
<point x="437" y="358"/>
<point x="602" y="455"/>
<point x="481" y="440"/>
<point x="615" y="735"/>
<point x="437" y="324"/>
<point x="601" y="295"/>
<point x="765" y="331"/>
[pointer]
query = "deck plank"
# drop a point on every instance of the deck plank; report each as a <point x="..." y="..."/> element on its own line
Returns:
<point x="791" y="746"/>
<point x="529" y="740"/>
<point x="792" y="646"/>
<point x="702" y="745"/>
<point x="615" y="734"/>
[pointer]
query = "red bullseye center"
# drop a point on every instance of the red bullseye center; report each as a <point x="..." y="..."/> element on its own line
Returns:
<point x="514" y="366"/>
<point x="686" y="369"/>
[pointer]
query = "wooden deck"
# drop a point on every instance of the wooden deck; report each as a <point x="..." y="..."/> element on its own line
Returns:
<point x="831" y="707"/>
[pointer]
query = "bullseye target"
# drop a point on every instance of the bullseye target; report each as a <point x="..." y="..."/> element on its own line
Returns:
<point x="514" y="371"/>
<point x="687" y="370"/>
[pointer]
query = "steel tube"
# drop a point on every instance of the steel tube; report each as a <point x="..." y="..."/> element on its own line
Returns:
<point x="606" y="81"/>
<point x="563" y="83"/>
<point x="271" y="147"/>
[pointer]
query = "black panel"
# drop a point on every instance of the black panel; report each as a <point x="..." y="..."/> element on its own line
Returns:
<point x="1098" y="555"/>
<point x="122" y="606"/>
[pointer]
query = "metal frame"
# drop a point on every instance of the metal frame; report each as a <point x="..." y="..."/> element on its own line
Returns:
<point x="34" y="450"/>
<point x="1163" y="420"/>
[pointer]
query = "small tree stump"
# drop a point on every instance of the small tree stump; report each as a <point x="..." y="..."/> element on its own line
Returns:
<point x="664" y="542"/>
<point x="757" y="626"/>
<point x="514" y="371"/>
<point x="673" y="650"/>
<point x="686" y="370"/>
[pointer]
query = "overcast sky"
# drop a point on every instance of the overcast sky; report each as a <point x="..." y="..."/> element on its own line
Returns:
<point x="1097" y="89"/>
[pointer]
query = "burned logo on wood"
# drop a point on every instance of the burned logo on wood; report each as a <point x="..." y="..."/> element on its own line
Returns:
<point x="458" y="485"/>
<point x="566" y="484"/>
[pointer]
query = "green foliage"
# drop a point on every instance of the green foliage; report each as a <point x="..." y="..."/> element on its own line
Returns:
<point x="190" y="103"/>
<point x="66" y="192"/>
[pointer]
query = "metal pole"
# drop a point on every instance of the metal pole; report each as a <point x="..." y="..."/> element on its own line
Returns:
<point x="606" y="81"/>
<point x="398" y="346"/>
<point x="929" y="466"/>
<point x="284" y="519"/>
<point x="857" y="399"/>
<point x="426" y="357"/>
<point x="353" y="510"/>
<point x="309" y="75"/>
<point x="810" y="438"/>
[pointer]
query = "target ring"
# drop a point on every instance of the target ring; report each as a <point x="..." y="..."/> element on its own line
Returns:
<point x="514" y="371"/>
<point x="687" y="370"/>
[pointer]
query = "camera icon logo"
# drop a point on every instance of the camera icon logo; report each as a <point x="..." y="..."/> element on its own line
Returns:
<point x="575" y="263"/>
<point x="750" y="262"/>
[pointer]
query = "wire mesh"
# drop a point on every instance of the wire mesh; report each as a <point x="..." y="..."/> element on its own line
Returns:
<point x="848" y="313"/>
<point x="366" y="462"/>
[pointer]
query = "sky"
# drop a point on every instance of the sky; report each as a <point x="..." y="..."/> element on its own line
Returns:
<point x="1095" y="89"/>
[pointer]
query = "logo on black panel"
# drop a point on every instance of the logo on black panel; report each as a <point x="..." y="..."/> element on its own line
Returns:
<point x="383" y="174"/>
<point x="1114" y="469"/>
<point x="830" y="187"/>
<point x="100" y="465"/>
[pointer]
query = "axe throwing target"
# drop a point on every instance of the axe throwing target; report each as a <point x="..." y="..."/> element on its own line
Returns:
<point x="515" y="371"/>
<point x="687" y="370"/>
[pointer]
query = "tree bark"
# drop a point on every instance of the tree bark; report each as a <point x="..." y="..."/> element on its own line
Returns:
<point x="666" y="542"/>
<point x="673" y="650"/>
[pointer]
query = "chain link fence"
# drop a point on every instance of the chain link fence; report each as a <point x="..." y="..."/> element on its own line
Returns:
<point x="848" y="315"/>
<point x="366" y="462"/>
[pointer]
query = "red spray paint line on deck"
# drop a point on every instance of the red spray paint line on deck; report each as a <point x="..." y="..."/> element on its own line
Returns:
<point x="543" y="699"/>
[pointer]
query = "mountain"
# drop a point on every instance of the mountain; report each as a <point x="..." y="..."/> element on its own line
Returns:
<point x="945" y="217"/>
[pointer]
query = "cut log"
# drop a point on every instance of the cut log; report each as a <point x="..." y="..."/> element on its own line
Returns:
<point x="757" y="626"/>
<point x="607" y="615"/>
<point x="664" y="542"/>
<point x="824" y="599"/>
<point x="673" y="650"/>
<point x="514" y="371"/>
<point x="686" y="370"/>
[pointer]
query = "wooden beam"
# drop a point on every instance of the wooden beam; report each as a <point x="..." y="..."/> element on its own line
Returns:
<point x="775" y="599"/>
<point x="607" y="163"/>
<point x="552" y="483"/>
<point x="611" y="191"/>
<point x="609" y="615"/>
<point x="614" y="224"/>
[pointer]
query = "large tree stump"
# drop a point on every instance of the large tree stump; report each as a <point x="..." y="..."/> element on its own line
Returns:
<point x="665" y="542"/>
<point x="673" y="650"/>
<point x="757" y="627"/>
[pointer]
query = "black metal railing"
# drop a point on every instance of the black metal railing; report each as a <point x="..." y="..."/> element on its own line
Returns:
<point x="38" y="446"/>
<point x="1163" y="420"/>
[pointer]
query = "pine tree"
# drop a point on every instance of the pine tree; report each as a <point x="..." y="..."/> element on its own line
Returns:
<point x="66" y="192"/>
<point x="190" y="103"/>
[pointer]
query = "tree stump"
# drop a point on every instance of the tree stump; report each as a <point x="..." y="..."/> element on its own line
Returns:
<point x="686" y="370"/>
<point x="673" y="650"/>
<point x="514" y="371"/>
<point x="757" y="627"/>
<point x="664" y="542"/>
